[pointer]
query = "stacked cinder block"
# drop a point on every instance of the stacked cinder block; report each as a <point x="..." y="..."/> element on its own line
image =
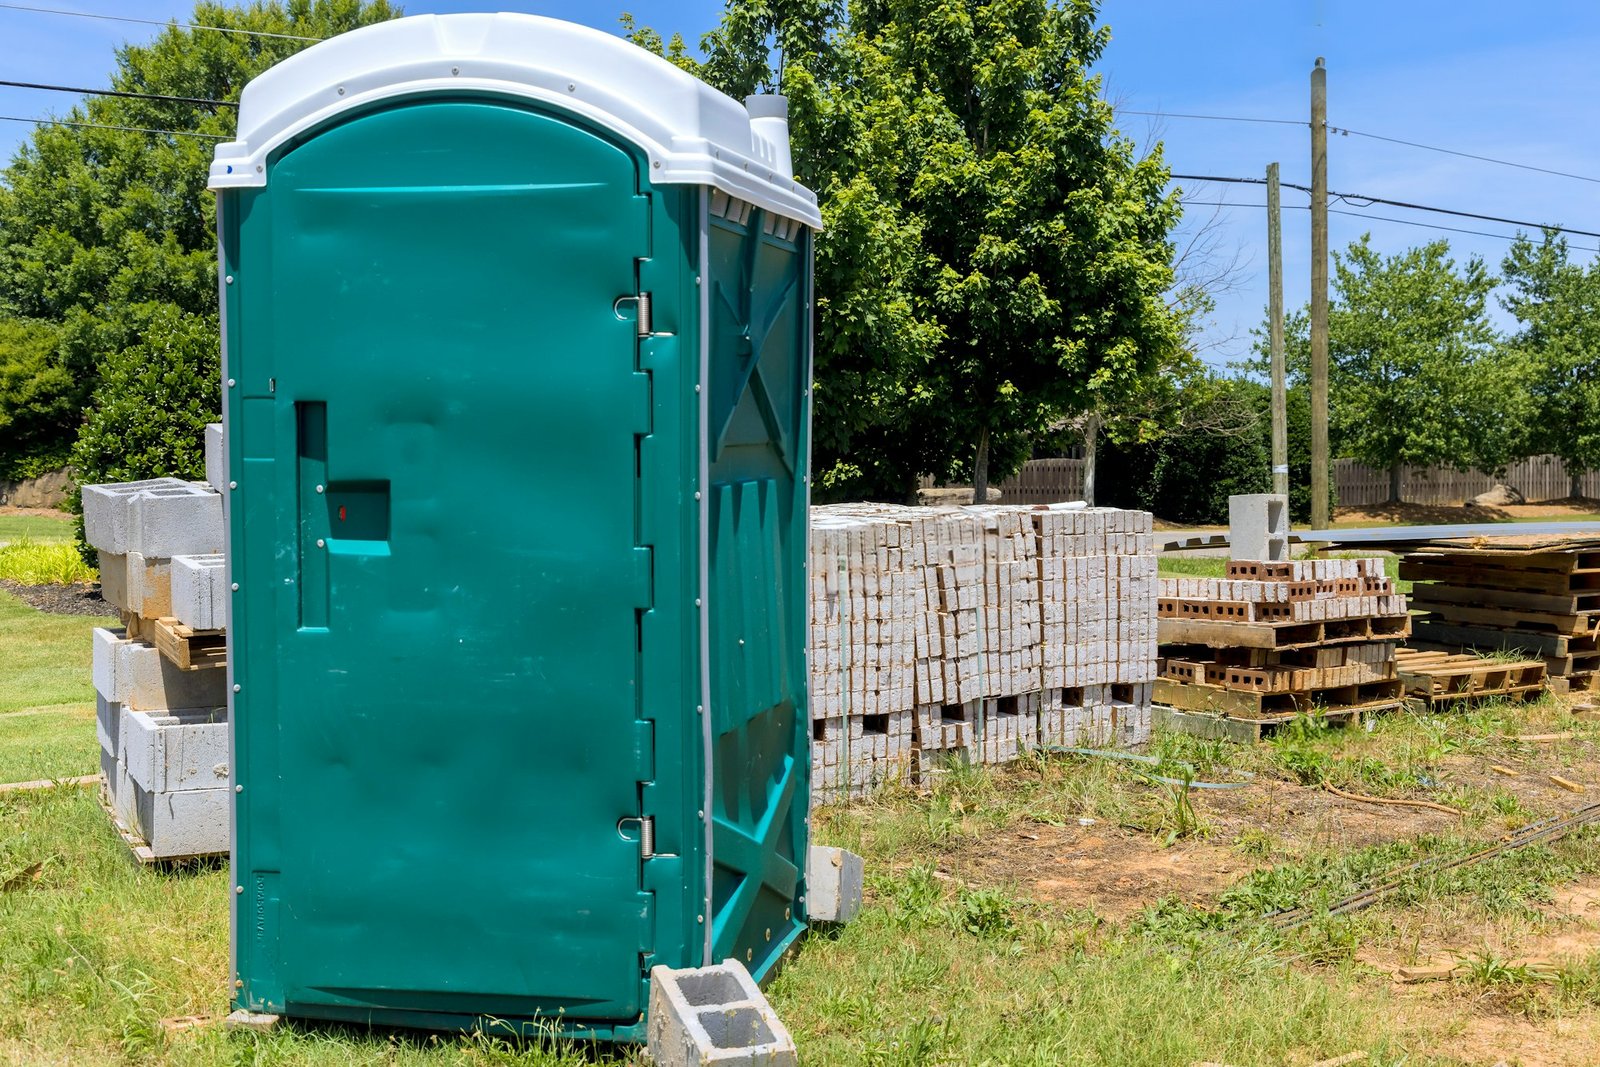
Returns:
<point x="1027" y="627"/>
<point x="1276" y="639"/>
<point x="162" y="728"/>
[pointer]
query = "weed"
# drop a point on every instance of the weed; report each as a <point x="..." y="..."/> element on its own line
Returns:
<point x="985" y="913"/>
<point x="33" y="562"/>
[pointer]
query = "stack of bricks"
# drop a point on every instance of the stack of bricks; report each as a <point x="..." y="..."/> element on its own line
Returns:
<point x="1026" y="627"/>
<point x="862" y="649"/>
<point x="1276" y="639"/>
<point x="1097" y="571"/>
<point x="161" y="719"/>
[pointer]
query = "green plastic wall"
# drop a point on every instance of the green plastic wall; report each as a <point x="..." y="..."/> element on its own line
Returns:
<point x="467" y="539"/>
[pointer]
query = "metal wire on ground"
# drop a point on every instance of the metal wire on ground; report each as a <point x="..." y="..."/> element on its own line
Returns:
<point x="1542" y="832"/>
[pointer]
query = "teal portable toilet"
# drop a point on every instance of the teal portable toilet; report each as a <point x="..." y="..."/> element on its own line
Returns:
<point x="517" y="333"/>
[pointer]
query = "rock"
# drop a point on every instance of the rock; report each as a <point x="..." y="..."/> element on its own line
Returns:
<point x="1499" y="497"/>
<point x="953" y="495"/>
<point x="49" y="490"/>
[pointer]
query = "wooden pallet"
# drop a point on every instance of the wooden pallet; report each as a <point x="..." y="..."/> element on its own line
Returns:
<point x="1281" y="635"/>
<point x="1446" y="678"/>
<point x="1244" y="704"/>
<point x="1249" y="731"/>
<point x="1525" y="642"/>
<point x="190" y="650"/>
<point x="1574" y="683"/>
<point x="1580" y="624"/>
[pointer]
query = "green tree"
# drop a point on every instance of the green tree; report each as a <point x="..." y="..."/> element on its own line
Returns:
<point x="99" y="225"/>
<point x="153" y="400"/>
<point x="1556" y="350"/>
<point x="37" y="409"/>
<point x="1415" y="371"/>
<point x="993" y="256"/>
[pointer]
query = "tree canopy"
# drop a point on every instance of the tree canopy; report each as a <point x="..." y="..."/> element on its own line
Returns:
<point x="994" y="253"/>
<point x="101" y="229"/>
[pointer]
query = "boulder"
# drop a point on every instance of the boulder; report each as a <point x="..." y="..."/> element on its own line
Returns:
<point x="1499" y="497"/>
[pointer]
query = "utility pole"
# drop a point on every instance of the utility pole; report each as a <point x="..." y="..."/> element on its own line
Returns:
<point x="1319" y="297"/>
<point x="1280" y="419"/>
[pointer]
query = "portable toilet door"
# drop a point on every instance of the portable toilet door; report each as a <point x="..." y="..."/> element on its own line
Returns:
<point x="516" y="326"/>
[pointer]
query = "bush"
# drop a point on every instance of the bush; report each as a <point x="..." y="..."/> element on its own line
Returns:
<point x="155" y="397"/>
<point x="39" y="400"/>
<point x="43" y="563"/>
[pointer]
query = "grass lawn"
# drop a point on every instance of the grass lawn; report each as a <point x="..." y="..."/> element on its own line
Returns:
<point x="37" y="527"/>
<point x="1057" y="911"/>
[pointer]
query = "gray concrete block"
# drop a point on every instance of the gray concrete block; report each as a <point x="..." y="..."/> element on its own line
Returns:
<point x="114" y="580"/>
<point x="138" y="676"/>
<point x="216" y="458"/>
<point x="199" y="592"/>
<point x="104" y="645"/>
<point x="107" y="720"/>
<point x="176" y="751"/>
<point x="107" y="511"/>
<point x="833" y="884"/>
<point x="700" y="1016"/>
<point x="190" y="822"/>
<point x="257" y="1022"/>
<point x="178" y="520"/>
<point x="1258" y="526"/>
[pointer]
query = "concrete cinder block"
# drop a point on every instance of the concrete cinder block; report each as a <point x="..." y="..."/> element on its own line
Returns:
<point x="190" y="822"/>
<point x="135" y="674"/>
<point x="216" y="458"/>
<point x="1258" y="526"/>
<point x="834" y="879"/>
<point x="256" y="1022"/>
<point x="703" y="1016"/>
<point x="107" y="723"/>
<point x="178" y="520"/>
<point x="198" y="591"/>
<point x="107" y="512"/>
<point x="167" y="753"/>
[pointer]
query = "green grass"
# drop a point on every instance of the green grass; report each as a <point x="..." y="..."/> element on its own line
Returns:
<point x="43" y="563"/>
<point x="37" y="527"/>
<point x="45" y="657"/>
<point x="939" y="971"/>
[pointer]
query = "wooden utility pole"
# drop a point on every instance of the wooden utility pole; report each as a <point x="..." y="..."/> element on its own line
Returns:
<point x="1280" y="422"/>
<point x="1319" y="297"/>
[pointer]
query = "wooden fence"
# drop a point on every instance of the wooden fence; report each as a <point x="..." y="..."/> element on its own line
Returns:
<point x="1048" y="481"/>
<point x="1537" y="478"/>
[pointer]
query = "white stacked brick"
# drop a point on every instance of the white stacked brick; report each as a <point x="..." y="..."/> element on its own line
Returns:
<point x="1022" y="622"/>
<point x="198" y="591"/>
<point x="216" y="458"/>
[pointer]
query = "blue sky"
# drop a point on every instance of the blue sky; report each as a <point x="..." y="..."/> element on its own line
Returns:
<point x="1514" y="83"/>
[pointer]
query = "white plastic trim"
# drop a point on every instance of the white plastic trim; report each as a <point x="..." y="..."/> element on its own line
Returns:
<point x="691" y="134"/>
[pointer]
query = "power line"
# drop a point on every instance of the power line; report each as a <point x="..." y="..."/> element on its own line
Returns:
<point x="1464" y="155"/>
<point x="203" y="101"/>
<point x="1375" y="218"/>
<point x="1352" y="198"/>
<point x="104" y="126"/>
<point x="1209" y="118"/>
<point x="155" y="22"/>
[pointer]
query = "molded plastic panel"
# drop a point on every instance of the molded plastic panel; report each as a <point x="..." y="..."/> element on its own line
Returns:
<point x="441" y="575"/>
<point x="759" y="448"/>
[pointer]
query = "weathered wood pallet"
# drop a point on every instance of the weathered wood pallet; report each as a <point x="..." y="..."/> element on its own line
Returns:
<point x="1574" y="683"/>
<point x="1275" y="677"/>
<point x="1526" y="642"/>
<point x="1445" y="678"/>
<point x="1581" y="624"/>
<point x="1244" y="704"/>
<point x="1249" y="731"/>
<point x="1547" y="582"/>
<point x="190" y="650"/>
<point x="1282" y="635"/>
